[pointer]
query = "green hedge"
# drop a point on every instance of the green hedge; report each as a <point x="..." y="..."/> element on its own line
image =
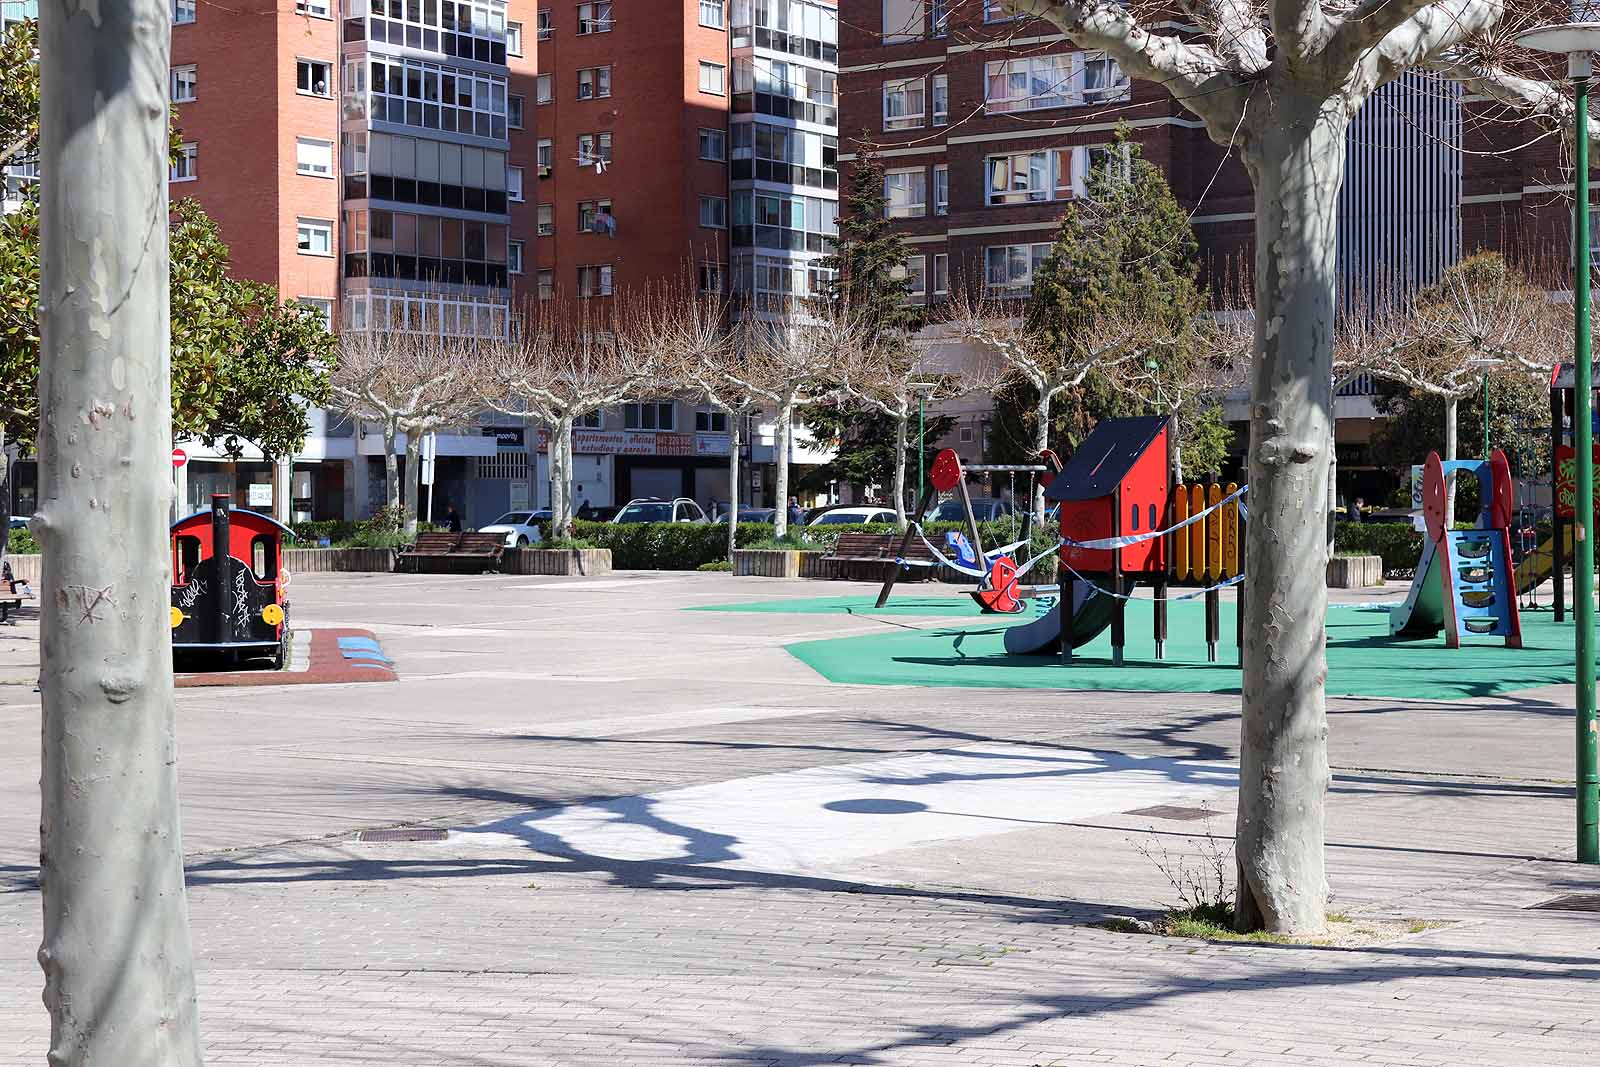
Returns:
<point x="21" y="542"/>
<point x="678" y="546"/>
<point x="1399" y="543"/>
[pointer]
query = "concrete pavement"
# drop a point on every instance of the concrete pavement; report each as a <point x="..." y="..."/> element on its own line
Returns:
<point x="671" y="843"/>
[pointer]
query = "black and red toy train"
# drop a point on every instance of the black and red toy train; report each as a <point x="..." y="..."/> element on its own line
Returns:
<point x="228" y="584"/>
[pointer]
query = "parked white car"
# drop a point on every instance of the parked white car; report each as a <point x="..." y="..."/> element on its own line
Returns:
<point x="654" y="509"/>
<point x="853" y="515"/>
<point x="519" y="528"/>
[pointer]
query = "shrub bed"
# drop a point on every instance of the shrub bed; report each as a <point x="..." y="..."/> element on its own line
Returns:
<point x="1399" y="543"/>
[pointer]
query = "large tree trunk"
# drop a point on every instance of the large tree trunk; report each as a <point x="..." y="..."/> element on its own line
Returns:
<point x="1452" y="406"/>
<point x="5" y="495"/>
<point x="734" y="436"/>
<point x="119" y="980"/>
<point x="560" y="451"/>
<point x="901" y="433"/>
<point x="1296" y="158"/>
<point x="780" y="521"/>
<point x="391" y="467"/>
<point x="413" y="480"/>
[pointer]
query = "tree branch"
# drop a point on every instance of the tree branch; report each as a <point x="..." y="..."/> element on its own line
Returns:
<point x="1364" y="26"/>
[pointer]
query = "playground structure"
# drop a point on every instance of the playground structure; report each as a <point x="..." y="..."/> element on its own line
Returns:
<point x="1550" y="559"/>
<point x="228" y="584"/>
<point x="1123" y="522"/>
<point x="1464" y="584"/>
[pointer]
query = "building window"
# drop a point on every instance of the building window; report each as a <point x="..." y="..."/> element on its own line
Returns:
<point x="905" y="193"/>
<point x="710" y="420"/>
<point x="184" y="82"/>
<point x="320" y="306"/>
<point x="941" y="188"/>
<point x="183" y="11"/>
<point x="514" y="38"/>
<point x="941" y="274"/>
<point x="434" y="97"/>
<point x="939" y="17"/>
<point x="514" y="112"/>
<point x="514" y="184"/>
<point x="1030" y="177"/>
<point x="966" y="435"/>
<point x="904" y="20"/>
<point x="514" y="257"/>
<point x="547" y="220"/>
<point x="904" y="104"/>
<point x="995" y="11"/>
<point x="1008" y="269"/>
<point x="594" y="150"/>
<point x="711" y="14"/>
<point x="714" y="212"/>
<point x="185" y="165"/>
<point x="595" y="420"/>
<point x="915" y="272"/>
<point x="651" y="415"/>
<point x="313" y="157"/>
<point x="711" y="277"/>
<point x="941" y="99"/>
<point x="546" y="27"/>
<point x="714" y="145"/>
<point x="315" y="8"/>
<point x="594" y="82"/>
<point x="314" y="237"/>
<point x="713" y="78"/>
<point x="594" y="216"/>
<point x="541" y="89"/>
<point x="546" y="155"/>
<point x="594" y="18"/>
<point x="1038" y="82"/>
<point x="313" y="77"/>
<point x="547" y="284"/>
<point x="594" y="281"/>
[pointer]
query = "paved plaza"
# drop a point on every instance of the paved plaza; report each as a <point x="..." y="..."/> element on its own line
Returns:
<point x="672" y="842"/>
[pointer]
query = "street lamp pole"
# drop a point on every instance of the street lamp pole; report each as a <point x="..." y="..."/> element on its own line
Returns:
<point x="1579" y="41"/>
<point x="922" y="389"/>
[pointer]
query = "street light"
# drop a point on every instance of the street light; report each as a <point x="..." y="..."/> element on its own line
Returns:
<point x="1485" y="362"/>
<point x="1579" y="41"/>
<point x="922" y="389"/>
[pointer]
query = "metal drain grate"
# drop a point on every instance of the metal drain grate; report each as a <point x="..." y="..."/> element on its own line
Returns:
<point x="402" y="835"/>
<point x="1169" y="811"/>
<point x="1570" y="902"/>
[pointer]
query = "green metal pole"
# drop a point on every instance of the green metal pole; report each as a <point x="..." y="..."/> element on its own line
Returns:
<point x="922" y="453"/>
<point x="1485" y="414"/>
<point x="1583" y="533"/>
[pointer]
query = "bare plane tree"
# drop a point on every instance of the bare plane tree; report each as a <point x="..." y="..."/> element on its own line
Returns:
<point x="119" y="977"/>
<point x="1049" y="366"/>
<point x="407" y="383"/>
<point x="567" y="360"/>
<point x="1280" y="82"/>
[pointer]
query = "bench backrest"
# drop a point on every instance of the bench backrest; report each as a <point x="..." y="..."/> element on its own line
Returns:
<point x="434" y="543"/>
<point x="481" y="542"/>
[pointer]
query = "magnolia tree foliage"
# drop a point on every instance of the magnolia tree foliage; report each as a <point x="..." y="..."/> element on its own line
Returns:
<point x="1279" y="82"/>
<point x="19" y="93"/>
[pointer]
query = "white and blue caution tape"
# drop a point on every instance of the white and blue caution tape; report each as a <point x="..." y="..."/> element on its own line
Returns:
<point x="1105" y="543"/>
<point x="1192" y="594"/>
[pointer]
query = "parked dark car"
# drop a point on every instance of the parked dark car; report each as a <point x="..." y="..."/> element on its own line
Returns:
<point x="751" y="515"/>
<point x="984" y="508"/>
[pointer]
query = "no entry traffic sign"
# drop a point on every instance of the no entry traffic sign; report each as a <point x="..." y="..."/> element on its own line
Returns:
<point x="179" y="458"/>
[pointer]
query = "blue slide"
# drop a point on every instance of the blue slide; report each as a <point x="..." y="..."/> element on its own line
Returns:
<point x="1421" y="614"/>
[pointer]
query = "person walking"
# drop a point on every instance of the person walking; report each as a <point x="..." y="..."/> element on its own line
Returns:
<point x="452" y="520"/>
<point x="797" y="517"/>
<point x="1356" y="509"/>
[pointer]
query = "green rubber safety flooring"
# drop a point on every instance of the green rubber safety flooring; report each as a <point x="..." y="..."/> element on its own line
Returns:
<point x="1363" y="660"/>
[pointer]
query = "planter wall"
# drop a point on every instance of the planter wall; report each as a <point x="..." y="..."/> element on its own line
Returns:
<point x="1355" y="572"/>
<point x="330" y="560"/>
<point x="768" y="563"/>
<point x="565" y="562"/>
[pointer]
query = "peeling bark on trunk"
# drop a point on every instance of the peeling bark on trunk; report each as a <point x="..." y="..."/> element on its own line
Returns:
<point x="413" y="479"/>
<point x="1296" y="157"/>
<point x="1452" y="406"/>
<point x="119" y="981"/>
<point x="734" y="436"/>
<point x="391" y="467"/>
<point x="560" y="451"/>
<point x="1041" y="441"/>
<point x="900" y="436"/>
<point x="780" y="523"/>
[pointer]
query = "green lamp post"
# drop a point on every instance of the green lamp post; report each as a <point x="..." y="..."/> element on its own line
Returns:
<point x="1578" y="41"/>
<point x="922" y="389"/>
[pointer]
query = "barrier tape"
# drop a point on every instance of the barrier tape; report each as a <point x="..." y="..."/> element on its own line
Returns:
<point x="1105" y="543"/>
<point x="1235" y="580"/>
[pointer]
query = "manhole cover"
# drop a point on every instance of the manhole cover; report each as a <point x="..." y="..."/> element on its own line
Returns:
<point x="1571" y="902"/>
<point x="402" y="835"/>
<point x="1169" y="811"/>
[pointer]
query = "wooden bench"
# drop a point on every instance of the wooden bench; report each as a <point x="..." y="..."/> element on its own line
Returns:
<point x="443" y="552"/>
<point x="863" y="556"/>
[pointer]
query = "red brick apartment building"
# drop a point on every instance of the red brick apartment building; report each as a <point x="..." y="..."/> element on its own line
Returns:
<point x="986" y="125"/>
